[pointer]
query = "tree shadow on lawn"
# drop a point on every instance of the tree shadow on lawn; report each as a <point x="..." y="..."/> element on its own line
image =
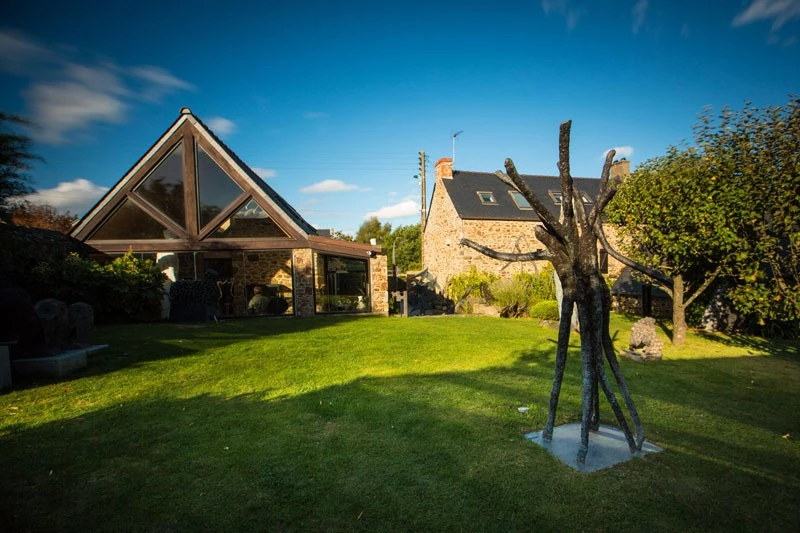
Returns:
<point x="754" y="345"/>
<point x="415" y="452"/>
<point x="136" y="344"/>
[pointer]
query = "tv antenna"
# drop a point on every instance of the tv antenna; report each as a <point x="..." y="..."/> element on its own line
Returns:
<point x="456" y="134"/>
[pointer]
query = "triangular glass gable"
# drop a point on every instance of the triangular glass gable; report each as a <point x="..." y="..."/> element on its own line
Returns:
<point x="164" y="186"/>
<point x="129" y="222"/>
<point x="215" y="189"/>
<point x="249" y="221"/>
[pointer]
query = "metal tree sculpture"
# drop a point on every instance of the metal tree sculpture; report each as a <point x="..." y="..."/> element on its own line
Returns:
<point x="571" y="246"/>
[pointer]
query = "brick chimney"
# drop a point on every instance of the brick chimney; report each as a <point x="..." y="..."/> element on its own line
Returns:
<point x="620" y="168"/>
<point x="444" y="168"/>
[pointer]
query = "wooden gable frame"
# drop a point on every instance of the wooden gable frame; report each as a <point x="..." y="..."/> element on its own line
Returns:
<point x="190" y="236"/>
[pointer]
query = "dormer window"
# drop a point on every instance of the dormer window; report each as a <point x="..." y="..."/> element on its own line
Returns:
<point x="487" y="198"/>
<point x="520" y="200"/>
<point x="557" y="197"/>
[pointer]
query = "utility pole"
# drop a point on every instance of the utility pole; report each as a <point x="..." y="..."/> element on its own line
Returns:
<point x="423" y="208"/>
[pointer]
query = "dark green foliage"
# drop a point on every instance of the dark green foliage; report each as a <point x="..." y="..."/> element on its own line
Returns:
<point x="15" y="158"/>
<point x="545" y="310"/>
<point x="127" y="289"/>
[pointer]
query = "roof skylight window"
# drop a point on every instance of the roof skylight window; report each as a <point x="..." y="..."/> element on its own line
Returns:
<point x="487" y="198"/>
<point x="520" y="200"/>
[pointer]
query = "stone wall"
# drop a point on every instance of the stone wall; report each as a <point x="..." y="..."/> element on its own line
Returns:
<point x="303" y="282"/>
<point x="379" y="284"/>
<point x="261" y="268"/>
<point x="660" y="307"/>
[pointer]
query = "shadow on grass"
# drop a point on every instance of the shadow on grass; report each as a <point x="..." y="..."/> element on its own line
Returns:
<point x="778" y="347"/>
<point x="136" y="344"/>
<point x="413" y="452"/>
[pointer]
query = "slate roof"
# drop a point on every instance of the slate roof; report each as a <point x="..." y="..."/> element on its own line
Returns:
<point x="463" y="190"/>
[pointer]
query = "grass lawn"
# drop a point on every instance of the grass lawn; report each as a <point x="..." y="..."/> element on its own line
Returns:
<point x="389" y="424"/>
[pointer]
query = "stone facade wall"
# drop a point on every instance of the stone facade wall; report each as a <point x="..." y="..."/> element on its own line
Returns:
<point x="262" y="268"/>
<point x="303" y="282"/>
<point x="379" y="284"/>
<point x="660" y="307"/>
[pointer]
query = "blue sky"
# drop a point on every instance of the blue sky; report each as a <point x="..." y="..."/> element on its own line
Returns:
<point x="332" y="101"/>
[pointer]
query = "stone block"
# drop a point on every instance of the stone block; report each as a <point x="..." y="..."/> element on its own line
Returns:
<point x="54" y="366"/>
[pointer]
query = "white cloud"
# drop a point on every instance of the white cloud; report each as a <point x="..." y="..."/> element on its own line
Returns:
<point x="264" y="172"/>
<point x="779" y="11"/>
<point x="315" y="115"/>
<point x="403" y="209"/>
<point x="19" y="55"/>
<point x="62" y="107"/>
<point x="74" y="196"/>
<point x="326" y="186"/>
<point x="66" y="96"/>
<point x="221" y="126"/>
<point x="622" y="151"/>
<point x="565" y="9"/>
<point x="639" y="13"/>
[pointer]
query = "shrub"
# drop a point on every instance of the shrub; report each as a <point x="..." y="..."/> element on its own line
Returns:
<point x="472" y="283"/>
<point x="512" y="297"/>
<point x="127" y="289"/>
<point x="545" y="310"/>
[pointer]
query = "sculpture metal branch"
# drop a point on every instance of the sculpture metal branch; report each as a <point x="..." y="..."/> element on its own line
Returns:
<point x="571" y="246"/>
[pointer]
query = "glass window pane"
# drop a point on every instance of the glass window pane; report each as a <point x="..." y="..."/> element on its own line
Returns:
<point x="520" y="200"/>
<point x="249" y="221"/>
<point x="342" y="285"/>
<point x="216" y="190"/>
<point x="130" y="222"/>
<point x="164" y="186"/>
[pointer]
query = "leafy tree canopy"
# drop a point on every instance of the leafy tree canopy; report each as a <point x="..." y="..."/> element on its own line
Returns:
<point x="404" y="246"/>
<point x="15" y="158"/>
<point x="728" y="205"/>
<point x="373" y="229"/>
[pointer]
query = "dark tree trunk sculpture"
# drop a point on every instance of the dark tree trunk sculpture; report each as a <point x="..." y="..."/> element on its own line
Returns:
<point x="571" y="246"/>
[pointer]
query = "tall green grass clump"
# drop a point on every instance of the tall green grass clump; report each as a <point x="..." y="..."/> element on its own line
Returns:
<point x="514" y="297"/>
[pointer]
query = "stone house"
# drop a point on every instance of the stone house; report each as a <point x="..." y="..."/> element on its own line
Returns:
<point x="193" y="206"/>
<point x="480" y="207"/>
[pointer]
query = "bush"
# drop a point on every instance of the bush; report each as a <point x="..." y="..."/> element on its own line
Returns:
<point x="545" y="310"/>
<point x="127" y="289"/>
<point x="512" y="297"/>
<point x="472" y="283"/>
<point x="542" y="285"/>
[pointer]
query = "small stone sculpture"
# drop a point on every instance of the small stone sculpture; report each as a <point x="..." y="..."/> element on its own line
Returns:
<point x="81" y="323"/>
<point x="644" y="344"/>
<point x="55" y="324"/>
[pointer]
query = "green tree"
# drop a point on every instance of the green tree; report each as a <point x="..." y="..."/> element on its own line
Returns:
<point x="756" y="153"/>
<point x="373" y="229"/>
<point x="342" y="236"/>
<point x="727" y="206"/>
<point x="404" y="246"/>
<point x="669" y="219"/>
<point x="15" y="159"/>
